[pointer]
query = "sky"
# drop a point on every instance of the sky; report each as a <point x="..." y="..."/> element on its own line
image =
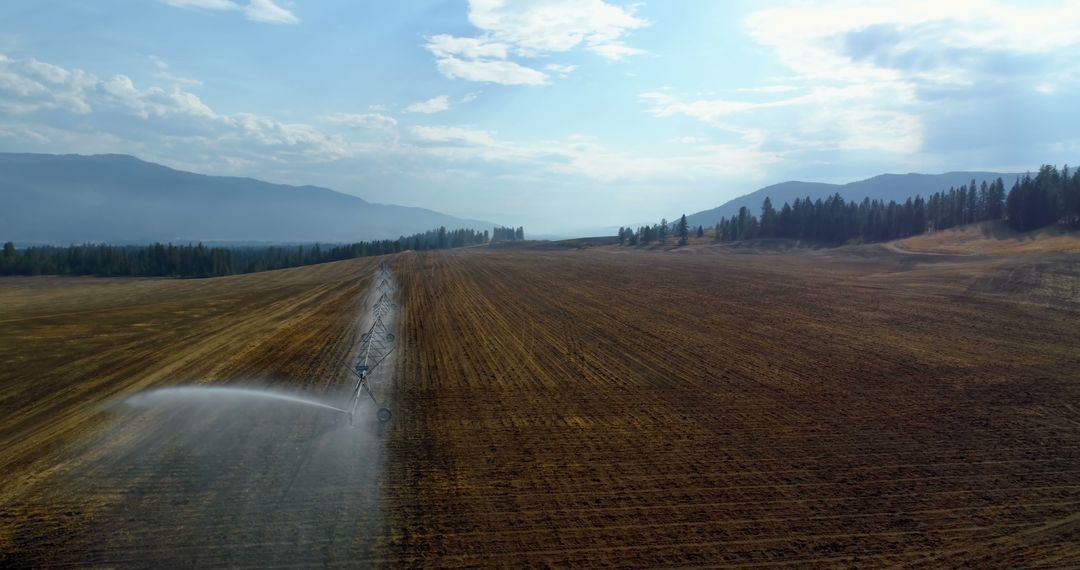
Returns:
<point x="558" y="115"/>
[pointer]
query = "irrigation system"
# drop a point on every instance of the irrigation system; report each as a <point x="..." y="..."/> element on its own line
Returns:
<point x="376" y="344"/>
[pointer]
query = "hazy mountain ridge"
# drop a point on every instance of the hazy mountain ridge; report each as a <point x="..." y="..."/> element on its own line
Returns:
<point x="898" y="187"/>
<point x="121" y="199"/>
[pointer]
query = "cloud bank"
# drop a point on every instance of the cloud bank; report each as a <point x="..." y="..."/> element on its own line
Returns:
<point x="531" y="30"/>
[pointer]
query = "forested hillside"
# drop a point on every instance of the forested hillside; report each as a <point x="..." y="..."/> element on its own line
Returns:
<point x="883" y="187"/>
<point x="168" y="260"/>
<point x="1049" y="197"/>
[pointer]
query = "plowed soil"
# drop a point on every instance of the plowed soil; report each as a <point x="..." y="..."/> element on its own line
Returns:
<point x="83" y="483"/>
<point x="602" y="407"/>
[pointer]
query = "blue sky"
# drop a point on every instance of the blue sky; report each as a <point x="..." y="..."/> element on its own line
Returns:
<point x="553" y="114"/>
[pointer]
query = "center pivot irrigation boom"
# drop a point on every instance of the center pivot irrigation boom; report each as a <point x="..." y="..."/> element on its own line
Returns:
<point x="373" y="351"/>
<point x="383" y="306"/>
<point x="361" y="372"/>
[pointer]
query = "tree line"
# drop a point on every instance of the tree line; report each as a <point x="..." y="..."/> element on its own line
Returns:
<point x="1049" y="197"/>
<point x="508" y="234"/>
<point x="186" y="260"/>
<point x="659" y="233"/>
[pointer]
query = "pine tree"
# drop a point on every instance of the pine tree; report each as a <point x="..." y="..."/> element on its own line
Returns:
<point x="1072" y="201"/>
<point x="768" y="219"/>
<point x="682" y="230"/>
<point x="742" y="225"/>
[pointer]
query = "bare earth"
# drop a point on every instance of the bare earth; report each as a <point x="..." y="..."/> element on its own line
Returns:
<point x="601" y="407"/>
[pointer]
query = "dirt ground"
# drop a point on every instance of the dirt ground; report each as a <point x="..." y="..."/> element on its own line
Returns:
<point x="83" y="482"/>
<point x="993" y="238"/>
<point x="599" y="407"/>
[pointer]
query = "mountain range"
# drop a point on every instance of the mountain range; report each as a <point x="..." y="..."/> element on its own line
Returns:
<point x="113" y="198"/>
<point x="897" y="187"/>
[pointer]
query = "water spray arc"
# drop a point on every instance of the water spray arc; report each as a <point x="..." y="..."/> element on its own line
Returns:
<point x="220" y="394"/>
<point x="376" y="344"/>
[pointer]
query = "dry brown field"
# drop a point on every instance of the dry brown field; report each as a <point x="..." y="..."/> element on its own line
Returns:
<point x="857" y="407"/>
<point x="993" y="238"/>
<point x="82" y="483"/>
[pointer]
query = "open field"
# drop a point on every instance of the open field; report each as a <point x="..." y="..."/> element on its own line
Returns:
<point x="571" y="408"/>
<point x="81" y="484"/>
<point x="589" y="407"/>
<point x="992" y="238"/>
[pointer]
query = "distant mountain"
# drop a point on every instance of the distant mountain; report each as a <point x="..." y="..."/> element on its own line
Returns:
<point x="898" y="187"/>
<point x="121" y="199"/>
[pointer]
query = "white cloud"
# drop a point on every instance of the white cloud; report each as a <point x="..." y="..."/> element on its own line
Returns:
<point x="532" y="30"/>
<point x="490" y="71"/>
<point x="479" y="59"/>
<point x="162" y="72"/>
<point x="560" y="70"/>
<point x="553" y="26"/>
<point x="444" y="45"/>
<point x="456" y="135"/>
<point x="849" y="118"/>
<point x="158" y="62"/>
<point x="247" y="127"/>
<point x="268" y="12"/>
<point x="374" y="121"/>
<point x="870" y="75"/>
<point x="28" y="86"/>
<point x="48" y="72"/>
<point x="853" y="41"/>
<point x="433" y="105"/>
<point x="265" y="11"/>
<point x="705" y="110"/>
<point x="153" y="101"/>
<point x="859" y="127"/>
<point x="615" y="50"/>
